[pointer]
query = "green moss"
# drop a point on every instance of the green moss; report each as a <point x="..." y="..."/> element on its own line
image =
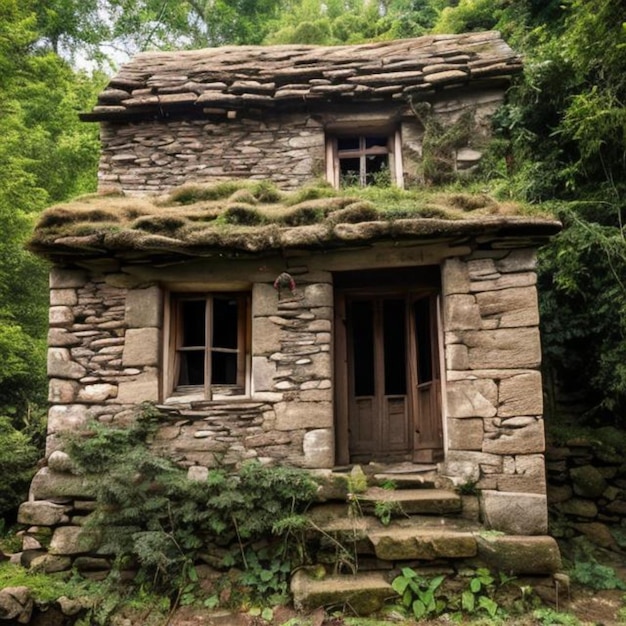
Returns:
<point x="242" y="214"/>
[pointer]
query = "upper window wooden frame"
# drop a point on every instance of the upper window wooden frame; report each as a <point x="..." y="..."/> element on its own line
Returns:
<point x="356" y="155"/>
<point x="208" y="344"/>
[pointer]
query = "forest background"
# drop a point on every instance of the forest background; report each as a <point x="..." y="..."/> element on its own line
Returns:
<point x="559" y="141"/>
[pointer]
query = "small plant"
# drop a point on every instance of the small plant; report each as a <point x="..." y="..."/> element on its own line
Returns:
<point x="595" y="575"/>
<point x="468" y="488"/>
<point x="478" y="596"/>
<point x="547" y="616"/>
<point x="419" y="594"/>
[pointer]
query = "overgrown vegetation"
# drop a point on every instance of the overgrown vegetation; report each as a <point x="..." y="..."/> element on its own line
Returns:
<point x="162" y="524"/>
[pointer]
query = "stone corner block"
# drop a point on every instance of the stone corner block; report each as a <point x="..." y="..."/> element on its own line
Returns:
<point x="515" y="513"/>
<point x="319" y="447"/>
<point x="519" y="555"/>
<point x="61" y="278"/>
<point x="144" y="388"/>
<point x="141" y="347"/>
<point x="144" y="308"/>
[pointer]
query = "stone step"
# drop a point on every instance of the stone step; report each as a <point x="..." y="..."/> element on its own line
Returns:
<point x="411" y="501"/>
<point x="425" y="543"/>
<point x="418" y="480"/>
<point x="364" y="592"/>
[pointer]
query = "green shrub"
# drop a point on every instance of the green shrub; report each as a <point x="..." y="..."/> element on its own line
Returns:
<point x="151" y="515"/>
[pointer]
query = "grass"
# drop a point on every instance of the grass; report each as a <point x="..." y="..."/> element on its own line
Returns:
<point x="254" y="216"/>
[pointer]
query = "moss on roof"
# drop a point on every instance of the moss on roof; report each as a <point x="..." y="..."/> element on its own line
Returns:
<point x="253" y="217"/>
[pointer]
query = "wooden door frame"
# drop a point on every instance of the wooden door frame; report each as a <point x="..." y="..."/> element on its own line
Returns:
<point x="341" y="359"/>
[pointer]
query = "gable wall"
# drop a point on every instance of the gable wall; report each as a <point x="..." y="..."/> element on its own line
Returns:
<point x="289" y="150"/>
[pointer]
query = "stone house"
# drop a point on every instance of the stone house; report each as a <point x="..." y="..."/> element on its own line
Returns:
<point x="315" y="330"/>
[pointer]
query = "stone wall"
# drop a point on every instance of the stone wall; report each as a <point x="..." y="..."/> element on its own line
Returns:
<point x="494" y="397"/>
<point x="105" y="355"/>
<point x="587" y="488"/>
<point x="156" y="156"/>
<point x="289" y="150"/>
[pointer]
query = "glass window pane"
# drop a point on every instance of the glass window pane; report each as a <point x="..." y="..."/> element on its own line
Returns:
<point x="350" y="172"/>
<point x="223" y="368"/>
<point x="423" y="339"/>
<point x="347" y="143"/>
<point x="193" y="322"/>
<point x="191" y="368"/>
<point x="370" y="142"/>
<point x="376" y="166"/>
<point x="394" y="330"/>
<point x="225" y="322"/>
<point x="362" y="317"/>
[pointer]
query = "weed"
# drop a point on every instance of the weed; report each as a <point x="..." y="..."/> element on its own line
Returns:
<point x="479" y="594"/>
<point x="419" y="594"/>
<point x="547" y="616"/>
<point x="162" y="522"/>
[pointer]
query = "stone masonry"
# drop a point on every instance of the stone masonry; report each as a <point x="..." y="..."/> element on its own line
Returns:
<point x="494" y="394"/>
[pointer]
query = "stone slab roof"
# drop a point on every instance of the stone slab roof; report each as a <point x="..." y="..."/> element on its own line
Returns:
<point x="261" y="77"/>
<point x="254" y="219"/>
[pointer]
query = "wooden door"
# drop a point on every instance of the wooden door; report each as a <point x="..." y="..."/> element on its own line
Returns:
<point x="391" y="374"/>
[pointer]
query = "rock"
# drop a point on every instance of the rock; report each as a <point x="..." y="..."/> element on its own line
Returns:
<point x="587" y="481"/>
<point x="579" y="508"/>
<point x="520" y="555"/>
<point x="50" y="563"/>
<point x="365" y="593"/>
<point x="60" y="461"/>
<point x="318" y="448"/>
<point x="597" y="533"/>
<point x="16" y="604"/>
<point x="141" y="347"/>
<point x="515" y="513"/>
<point x="68" y="540"/>
<point x="144" y="308"/>
<point x="41" y="513"/>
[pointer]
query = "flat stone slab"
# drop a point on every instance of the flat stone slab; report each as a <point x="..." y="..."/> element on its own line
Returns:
<point x="365" y="592"/>
<point x="520" y="554"/>
<point x="397" y="544"/>
<point x="413" y="501"/>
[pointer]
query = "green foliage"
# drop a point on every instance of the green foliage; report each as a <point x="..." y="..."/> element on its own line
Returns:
<point x="595" y="575"/>
<point x="419" y="594"/>
<point x="478" y="597"/>
<point x="162" y="521"/>
<point x="547" y="617"/>
<point x="18" y="456"/>
<point x="583" y="306"/>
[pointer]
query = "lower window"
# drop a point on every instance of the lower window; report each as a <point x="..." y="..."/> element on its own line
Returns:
<point x="208" y="344"/>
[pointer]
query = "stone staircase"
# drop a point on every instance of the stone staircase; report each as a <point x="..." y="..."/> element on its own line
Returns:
<point x="360" y="541"/>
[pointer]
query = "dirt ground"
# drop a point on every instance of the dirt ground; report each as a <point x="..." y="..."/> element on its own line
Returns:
<point x="592" y="608"/>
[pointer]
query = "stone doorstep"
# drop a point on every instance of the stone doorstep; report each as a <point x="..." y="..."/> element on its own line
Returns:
<point x="429" y="543"/>
<point x="364" y="592"/>
<point x="413" y="501"/>
<point x="426" y="480"/>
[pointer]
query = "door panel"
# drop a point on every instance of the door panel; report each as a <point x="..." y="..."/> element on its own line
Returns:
<point x="391" y="367"/>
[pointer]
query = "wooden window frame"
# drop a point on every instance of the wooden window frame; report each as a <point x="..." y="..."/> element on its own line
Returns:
<point x="173" y="346"/>
<point x="392" y="149"/>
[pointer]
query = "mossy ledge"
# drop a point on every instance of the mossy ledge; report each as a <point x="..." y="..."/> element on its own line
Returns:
<point x="253" y="217"/>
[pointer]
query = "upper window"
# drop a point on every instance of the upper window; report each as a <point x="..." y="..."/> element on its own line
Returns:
<point x="208" y="341"/>
<point x="368" y="158"/>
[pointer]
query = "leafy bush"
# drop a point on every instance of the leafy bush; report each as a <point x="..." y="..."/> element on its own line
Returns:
<point x="18" y="456"/>
<point x="154" y="517"/>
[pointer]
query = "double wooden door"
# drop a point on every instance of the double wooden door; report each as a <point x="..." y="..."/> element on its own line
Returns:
<point x="390" y="363"/>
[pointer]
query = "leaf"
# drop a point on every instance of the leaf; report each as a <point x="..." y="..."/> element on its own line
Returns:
<point x="407" y="572"/>
<point x="475" y="585"/>
<point x="211" y="602"/>
<point x="407" y="598"/>
<point x="267" y="614"/>
<point x="489" y="605"/>
<point x="419" y="610"/>
<point x="266" y="575"/>
<point x="399" y="584"/>
<point x="468" y="600"/>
